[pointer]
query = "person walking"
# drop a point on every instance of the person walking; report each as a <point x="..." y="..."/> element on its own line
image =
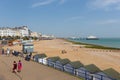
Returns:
<point x="19" y="66"/>
<point x="2" y="51"/>
<point x="8" y="51"/>
<point x="14" y="67"/>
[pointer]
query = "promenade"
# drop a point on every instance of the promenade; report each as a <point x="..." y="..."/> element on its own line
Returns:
<point x="31" y="71"/>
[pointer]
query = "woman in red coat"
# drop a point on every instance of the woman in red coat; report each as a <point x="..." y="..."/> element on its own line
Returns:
<point x="19" y="66"/>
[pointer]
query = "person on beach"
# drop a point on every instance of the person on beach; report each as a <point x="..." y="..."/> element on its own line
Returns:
<point x="14" y="67"/>
<point x="2" y="51"/>
<point x="8" y="51"/>
<point x="19" y="66"/>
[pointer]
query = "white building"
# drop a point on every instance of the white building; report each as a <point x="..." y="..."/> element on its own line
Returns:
<point x="17" y="31"/>
<point x="7" y="32"/>
<point x="48" y="37"/>
<point x="36" y="34"/>
<point x="24" y="31"/>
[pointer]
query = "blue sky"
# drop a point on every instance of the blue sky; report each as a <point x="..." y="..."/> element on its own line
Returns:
<point x="63" y="18"/>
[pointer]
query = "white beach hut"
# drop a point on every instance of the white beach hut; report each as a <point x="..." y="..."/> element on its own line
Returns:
<point x="45" y="61"/>
<point x="39" y="57"/>
<point x="42" y="59"/>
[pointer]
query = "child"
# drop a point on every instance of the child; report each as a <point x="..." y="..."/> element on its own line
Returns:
<point x="14" y="67"/>
<point x="19" y="66"/>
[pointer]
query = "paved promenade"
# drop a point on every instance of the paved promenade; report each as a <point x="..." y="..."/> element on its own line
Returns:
<point x="31" y="71"/>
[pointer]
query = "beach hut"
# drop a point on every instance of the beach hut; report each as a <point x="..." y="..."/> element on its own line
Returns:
<point x="51" y="61"/>
<point x="87" y="71"/>
<point x="36" y="57"/>
<point x="45" y="61"/>
<point x="108" y="74"/>
<point x="72" y="66"/>
<point x="28" y="48"/>
<point x="41" y="58"/>
<point x="59" y="64"/>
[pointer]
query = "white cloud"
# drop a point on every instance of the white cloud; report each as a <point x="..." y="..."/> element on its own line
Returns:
<point x="47" y="2"/>
<point x="62" y="1"/>
<point x="105" y="4"/>
<point x="110" y="21"/>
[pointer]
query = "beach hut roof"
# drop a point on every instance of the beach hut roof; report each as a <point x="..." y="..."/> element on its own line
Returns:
<point x="43" y="55"/>
<point x="40" y="55"/>
<point x="92" y="68"/>
<point x="54" y="58"/>
<point x="64" y="61"/>
<point x="112" y="73"/>
<point x="76" y="64"/>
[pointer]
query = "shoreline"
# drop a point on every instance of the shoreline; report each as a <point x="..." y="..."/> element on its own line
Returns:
<point x="93" y="46"/>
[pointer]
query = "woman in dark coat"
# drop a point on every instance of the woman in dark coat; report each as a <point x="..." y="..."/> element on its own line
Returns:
<point x="14" y="67"/>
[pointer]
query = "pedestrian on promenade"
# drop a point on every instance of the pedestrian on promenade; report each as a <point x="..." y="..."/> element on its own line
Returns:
<point x="14" y="67"/>
<point x="8" y="51"/>
<point x="19" y="66"/>
<point x="2" y="51"/>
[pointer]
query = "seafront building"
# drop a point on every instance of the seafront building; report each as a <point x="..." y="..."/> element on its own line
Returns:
<point x="48" y="36"/>
<point x="22" y="31"/>
<point x="17" y="31"/>
<point x="35" y="34"/>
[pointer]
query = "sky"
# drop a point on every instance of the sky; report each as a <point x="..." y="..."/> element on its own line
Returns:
<point x="63" y="18"/>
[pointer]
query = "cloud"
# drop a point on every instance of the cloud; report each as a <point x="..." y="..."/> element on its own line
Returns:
<point x="110" y="21"/>
<point x="42" y="3"/>
<point x="62" y="1"/>
<point x="47" y="2"/>
<point x="105" y="4"/>
<point x="73" y="18"/>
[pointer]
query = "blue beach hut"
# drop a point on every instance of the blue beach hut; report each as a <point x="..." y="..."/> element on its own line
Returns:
<point x="108" y="74"/>
<point x="59" y="64"/>
<point x="72" y="66"/>
<point x="51" y="61"/>
<point x="87" y="71"/>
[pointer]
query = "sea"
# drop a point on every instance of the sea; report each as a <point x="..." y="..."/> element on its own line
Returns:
<point x="108" y="42"/>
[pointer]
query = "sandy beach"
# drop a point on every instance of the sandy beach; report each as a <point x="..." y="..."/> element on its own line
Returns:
<point x="102" y="59"/>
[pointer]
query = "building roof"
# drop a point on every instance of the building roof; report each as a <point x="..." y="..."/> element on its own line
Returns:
<point x="92" y="68"/>
<point x="64" y="61"/>
<point x="27" y="44"/>
<point x="112" y="73"/>
<point x="40" y="55"/>
<point x="76" y="64"/>
<point x="53" y="59"/>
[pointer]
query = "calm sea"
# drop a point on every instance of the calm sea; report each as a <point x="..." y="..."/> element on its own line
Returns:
<point x="108" y="42"/>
